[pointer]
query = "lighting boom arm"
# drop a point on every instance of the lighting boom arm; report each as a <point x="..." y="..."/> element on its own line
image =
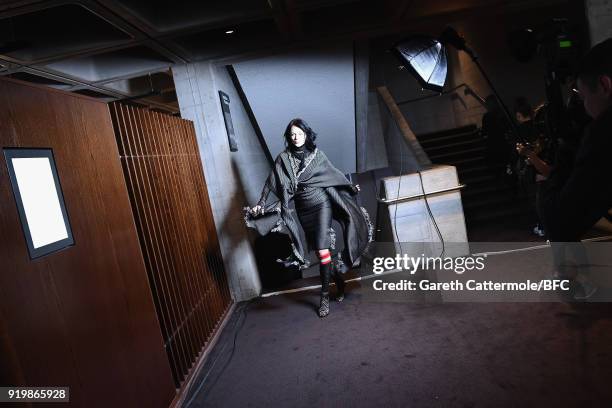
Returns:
<point x="450" y="36"/>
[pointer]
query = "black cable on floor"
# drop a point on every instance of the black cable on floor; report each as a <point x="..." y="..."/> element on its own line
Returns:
<point x="242" y="319"/>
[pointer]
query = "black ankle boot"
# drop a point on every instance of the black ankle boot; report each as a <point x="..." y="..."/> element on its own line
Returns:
<point x="339" y="281"/>
<point x="325" y="271"/>
<point x="324" y="305"/>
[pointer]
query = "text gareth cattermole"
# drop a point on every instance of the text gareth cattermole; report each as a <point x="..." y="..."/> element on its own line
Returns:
<point x="409" y="263"/>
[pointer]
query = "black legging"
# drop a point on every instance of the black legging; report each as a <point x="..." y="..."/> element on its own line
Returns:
<point x="314" y="211"/>
<point x="316" y="222"/>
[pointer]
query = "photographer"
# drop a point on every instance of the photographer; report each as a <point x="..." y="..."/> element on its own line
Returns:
<point x="572" y="200"/>
<point x="494" y="129"/>
<point x="530" y="167"/>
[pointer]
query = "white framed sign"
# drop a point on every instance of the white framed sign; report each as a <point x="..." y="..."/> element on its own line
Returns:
<point x="39" y="200"/>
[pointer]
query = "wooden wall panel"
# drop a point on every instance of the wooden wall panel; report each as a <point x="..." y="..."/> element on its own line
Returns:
<point x="84" y="316"/>
<point x="162" y="167"/>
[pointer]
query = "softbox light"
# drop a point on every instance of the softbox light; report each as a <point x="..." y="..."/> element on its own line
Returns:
<point x="426" y="58"/>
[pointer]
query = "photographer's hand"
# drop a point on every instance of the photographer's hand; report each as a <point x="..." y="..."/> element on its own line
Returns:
<point x="532" y="158"/>
<point x="524" y="150"/>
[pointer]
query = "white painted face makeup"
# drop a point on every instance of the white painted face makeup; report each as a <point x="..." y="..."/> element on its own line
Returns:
<point x="298" y="137"/>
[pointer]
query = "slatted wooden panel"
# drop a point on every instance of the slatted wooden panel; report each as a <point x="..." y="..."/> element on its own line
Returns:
<point x="82" y="317"/>
<point x="163" y="171"/>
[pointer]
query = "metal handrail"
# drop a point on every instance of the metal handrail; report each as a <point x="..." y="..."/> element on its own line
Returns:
<point x="420" y="195"/>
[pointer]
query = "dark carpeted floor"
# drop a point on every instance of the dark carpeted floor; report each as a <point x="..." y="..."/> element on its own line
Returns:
<point x="373" y="353"/>
<point x="369" y="354"/>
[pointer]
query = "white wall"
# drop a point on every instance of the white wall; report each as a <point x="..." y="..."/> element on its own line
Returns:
<point x="315" y="84"/>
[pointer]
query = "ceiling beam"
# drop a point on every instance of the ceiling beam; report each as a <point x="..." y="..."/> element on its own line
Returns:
<point x="396" y="10"/>
<point x="287" y="19"/>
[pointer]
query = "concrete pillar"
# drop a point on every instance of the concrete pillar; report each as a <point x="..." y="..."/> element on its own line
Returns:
<point x="197" y="86"/>
<point x="599" y="14"/>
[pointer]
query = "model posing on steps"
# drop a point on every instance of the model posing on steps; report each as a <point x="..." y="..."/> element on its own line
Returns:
<point x="302" y="173"/>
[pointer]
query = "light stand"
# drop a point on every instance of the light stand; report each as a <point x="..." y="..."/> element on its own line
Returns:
<point x="450" y="36"/>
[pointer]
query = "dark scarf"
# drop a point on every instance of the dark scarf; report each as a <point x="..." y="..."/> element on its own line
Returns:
<point x="300" y="153"/>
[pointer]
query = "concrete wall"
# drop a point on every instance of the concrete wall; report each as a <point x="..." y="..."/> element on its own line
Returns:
<point x="599" y="14"/>
<point x="234" y="178"/>
<point x="250" y="161"/>
<point x="401" y="158"/>
<point x="375" y="153"/>
<point x="315" y="84"/>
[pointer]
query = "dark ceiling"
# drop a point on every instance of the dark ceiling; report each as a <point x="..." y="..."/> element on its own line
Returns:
<point x="124" y="49"/>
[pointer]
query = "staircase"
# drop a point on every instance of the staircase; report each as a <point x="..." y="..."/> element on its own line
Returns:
<point x="484" y="198"/>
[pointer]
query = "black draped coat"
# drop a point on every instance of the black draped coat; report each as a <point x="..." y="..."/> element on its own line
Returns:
<point x="576" y="195"/>
<point x="318" y="171"/>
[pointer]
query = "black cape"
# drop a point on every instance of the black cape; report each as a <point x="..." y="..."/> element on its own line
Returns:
<point x="318" y="171"/>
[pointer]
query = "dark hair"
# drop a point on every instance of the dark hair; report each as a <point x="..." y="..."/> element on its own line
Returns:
<point x="596" y="62"/>
<point x="522" y="106"/>
<point x="311" y="136"/>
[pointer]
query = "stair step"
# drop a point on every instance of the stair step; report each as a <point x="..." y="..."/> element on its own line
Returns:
<point x="472" y="151"/>
<point x="482" y="216"/>
<point x="445" y="139"/>
<point x="451" y="145"/>
<point x="470" y="205"/>
<point x="470" y="181"/>
<point x="461" y="162"/>
<point x="472" y="170"/>
<point x="443" y="133"/>
<point x="490" y="188"/>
